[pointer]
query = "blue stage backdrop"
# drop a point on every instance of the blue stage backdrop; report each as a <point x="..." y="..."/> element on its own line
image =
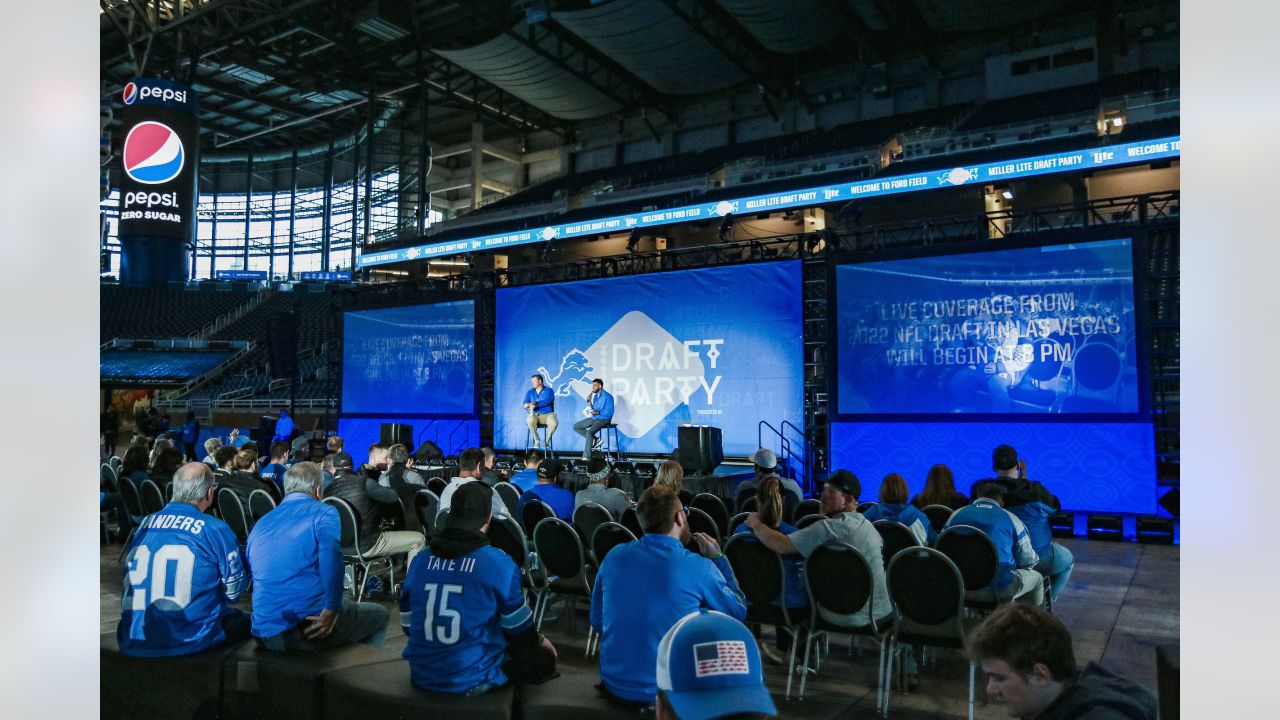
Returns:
<point x="1104" y="467"/>
<point x="719" y="346"/>
<point x="453" y="436"/>
<point x="418" y="359"/>
<point x="1035" y="330"/>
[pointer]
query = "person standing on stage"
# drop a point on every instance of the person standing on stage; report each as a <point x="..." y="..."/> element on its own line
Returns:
<point x="540" y="401"/>
<point x="600" y="415"/>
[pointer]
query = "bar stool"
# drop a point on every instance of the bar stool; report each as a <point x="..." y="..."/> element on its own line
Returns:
<point x="529" y="437"/>
<point x="609" y="441"/>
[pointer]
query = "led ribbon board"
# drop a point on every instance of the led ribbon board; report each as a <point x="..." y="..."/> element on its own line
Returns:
<point x="1115" y="155"/>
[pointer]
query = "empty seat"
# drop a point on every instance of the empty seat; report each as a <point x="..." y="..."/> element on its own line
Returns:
<point x="188" y="686"/>
<point x="265" y="684"/>
<point x="383" y="691"/>
<point x="572" y="696"/>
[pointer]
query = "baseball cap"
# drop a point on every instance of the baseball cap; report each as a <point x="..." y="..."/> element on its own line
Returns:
<point x="846" y="482"/>
<point x="764" y="458"/>
<point x="549" y="468"/>
<point x="1004" y="457"/>
<point x="470" y="505"/>
<point x="709" y="667"/>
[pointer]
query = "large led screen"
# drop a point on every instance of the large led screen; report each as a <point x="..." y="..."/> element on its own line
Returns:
<point x="719" y="346"/>
<point x="1031" y="330"/>
<point x="417" y="359"/>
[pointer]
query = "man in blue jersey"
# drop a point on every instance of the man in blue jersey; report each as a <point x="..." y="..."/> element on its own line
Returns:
<point x="548" y="490"/>
<point x="1034" y="505"/>
<point x="1015" y="580"/>
<point x="462" y="606"/>
<point x="182" y="575"/>
<point x="600" y="407"/>
<point x="296" y="561"/>
<point x="540" y="402"/>
<point x="528" y="477"/>
<point x="274" y="471"/>
<point x="645" y="586"/>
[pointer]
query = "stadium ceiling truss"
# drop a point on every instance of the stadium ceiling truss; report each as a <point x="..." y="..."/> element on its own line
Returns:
<point x="275" y="74"/>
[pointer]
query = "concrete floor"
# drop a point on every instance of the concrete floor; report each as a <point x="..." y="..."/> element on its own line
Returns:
<point x="1121" y="603"/>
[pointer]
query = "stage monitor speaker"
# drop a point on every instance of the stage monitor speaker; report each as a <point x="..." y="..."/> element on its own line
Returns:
<point x="396" y="433"/>
<point x="701" y="448"/>
<point x="266" y="431"/>
<point x="1172" y="502"/>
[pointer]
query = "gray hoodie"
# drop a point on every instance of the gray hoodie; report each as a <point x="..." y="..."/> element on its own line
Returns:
<point x="1099" y="694"/>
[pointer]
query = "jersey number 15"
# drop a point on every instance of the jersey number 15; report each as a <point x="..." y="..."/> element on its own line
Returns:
<point x="445" y="634"/>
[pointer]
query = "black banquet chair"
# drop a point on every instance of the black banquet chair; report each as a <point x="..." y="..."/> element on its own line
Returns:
<point x="713" y="507"/>
<point x="561" y="555"/>
<point x="587" y="518"/>
<point x="812" y="506"/>
<point x="631" y="521"/>
<point x="608" y="536"/>
<point x="703" y="523"/>
<point x="152" y="497"/>
<point x="839" y="581"/>
<point x="975" y="557"/>
<point x="232" y="511"/>
<point x="894" y="537"/>
<point x="349" y="540"/>
<point x="762" y="579"/>
<point x="938" y="515"/>
<point x="260" y="503"/>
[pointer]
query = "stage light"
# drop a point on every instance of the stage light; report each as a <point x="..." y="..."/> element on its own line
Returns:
<point x="1062" y="524"/>
<point x="1155" y="530"/>
<point x="1008" y="194"/>
<point x="1106" y="527"/>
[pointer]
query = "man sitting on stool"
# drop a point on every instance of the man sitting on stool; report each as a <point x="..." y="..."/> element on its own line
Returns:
<point x="540" y="401"/>
<point x="600" y="408"/>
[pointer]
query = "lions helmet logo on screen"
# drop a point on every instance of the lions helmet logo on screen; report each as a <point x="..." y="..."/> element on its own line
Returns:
<point x="130" y="93"/>
<point x="153" y="153"/>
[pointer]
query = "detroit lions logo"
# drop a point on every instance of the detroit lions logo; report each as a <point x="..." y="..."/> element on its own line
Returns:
<point x="575" y="370"/>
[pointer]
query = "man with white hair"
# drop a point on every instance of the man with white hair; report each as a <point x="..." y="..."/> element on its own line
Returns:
<point x="210" y="447"/>
<point x="296" y="560"/>
<point x="182" y="576"/>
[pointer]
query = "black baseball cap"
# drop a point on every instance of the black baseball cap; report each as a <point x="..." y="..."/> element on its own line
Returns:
<point x="470" y="505"/>
<point x="1004" y="457"/>
<point x="549" y="469"/>
<point x="846" y="482"/>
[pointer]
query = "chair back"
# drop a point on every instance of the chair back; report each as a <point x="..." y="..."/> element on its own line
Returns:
<point x="132" y="499"/>
<point x="735" y="521"/>
<point x="894" y="536"/>
<point x="686" y="497"/>
<point x="108" y="476"/>
<point x="426" y="505"/>
<point x="608" y="536"/>
<point x="152" y="497"/>
<point x="938" y="515"/>
<point x="442" y="519"/>
<point x="864" y="506"/>
<point x="927" y="591"/>
<point x="812" y="506"/>
<point x="559" y="548"/>
<point x="115" y="462"/>
<point x="631" y="521"/>
<point x="588" y="517"/>
<point x="713" y="507"/>
<point x="740" y="500"/>
<point x="232" y="512"/>
<point x="348" y="524"/>
<point x="510" y="495"/>
<point x="437" y="485"/>
<point x="806" y="521"/>
<point x="506" y="535"/>
<point x="260" y="503"/>
<point x="758" y="570"/>
<point x="702" y="522"/>
<point x="973" y="554"/>
<point x="534" y="512"/>
<point x="838" y="580"/>
<point x="751" y="504"/>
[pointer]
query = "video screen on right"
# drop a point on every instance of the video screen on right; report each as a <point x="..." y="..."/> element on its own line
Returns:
<point x="1016" y="331"/>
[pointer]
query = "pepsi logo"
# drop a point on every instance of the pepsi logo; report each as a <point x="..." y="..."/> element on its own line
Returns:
<point x="130" y="93"/>
<point x="153" y="153"/>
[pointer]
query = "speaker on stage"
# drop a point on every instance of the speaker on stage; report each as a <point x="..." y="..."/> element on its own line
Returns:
<point x="396" y="433"/>
<point x="701" y="449"/>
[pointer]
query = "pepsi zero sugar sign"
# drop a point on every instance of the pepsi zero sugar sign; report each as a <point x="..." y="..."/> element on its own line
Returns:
<point x="719" y="346"/>
<point x="1033" y="330"/>
<point x="159" y="160"/>
<point x="418" y="360"/>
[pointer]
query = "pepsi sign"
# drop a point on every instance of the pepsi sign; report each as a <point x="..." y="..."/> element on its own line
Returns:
<point x="158" y="160"/>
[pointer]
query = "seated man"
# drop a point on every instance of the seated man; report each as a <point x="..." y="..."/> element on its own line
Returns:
<point x="462" y="605"/>
<point x="225" y="460"/>
<point x="528" y="477"/>
<point x="274" y="471"/>
<point x="548" y="490"/>
<point x="645" y="586"/>
<point x="765" y="463"/>
<point x="182" y="575"/>
<point x="599" y="416"/>
<point x="842" y="524"/>
<point x="470" y="467"/>
<point x="378" y="462"/>
<point x="366" y="497"/>
<point x="244" y="478"/>
<point x="599" y="492"/>
<point x="1014" y="578"/>
<point x="1034" y="505"/>
<point x="1031" y="669"/>
<point x="297" y="568"/>
<point x="489" y="473"/>
<point x="708" y="668"/>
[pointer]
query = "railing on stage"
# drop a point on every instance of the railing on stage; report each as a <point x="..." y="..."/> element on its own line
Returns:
<point x="786" y="450"/>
